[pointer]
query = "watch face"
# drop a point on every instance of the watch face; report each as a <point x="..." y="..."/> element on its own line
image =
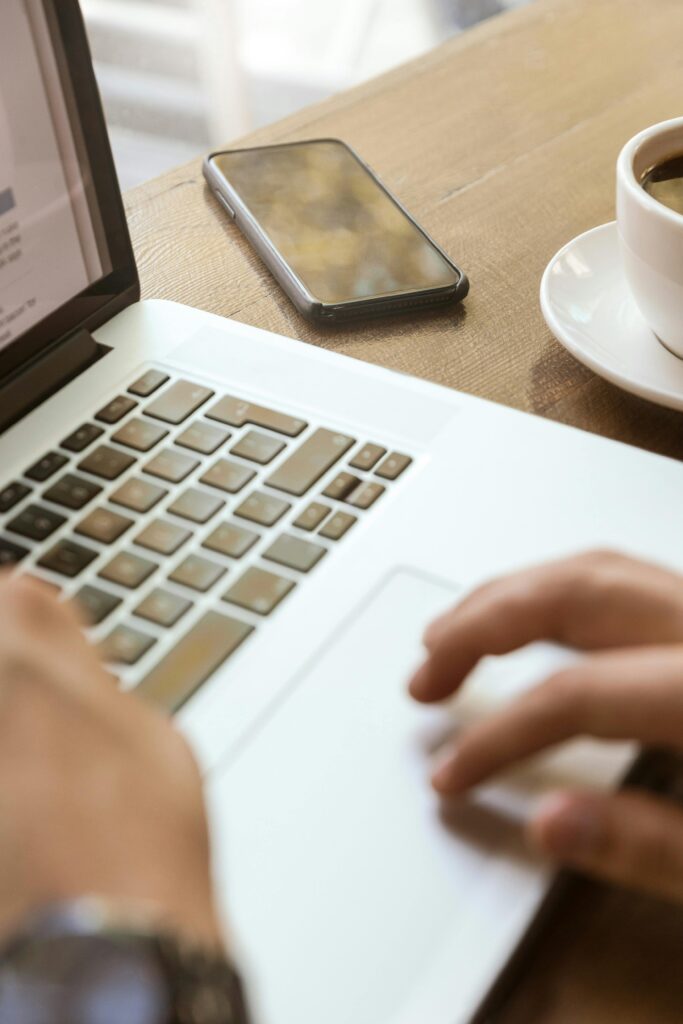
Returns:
<point x="84" y="980"/>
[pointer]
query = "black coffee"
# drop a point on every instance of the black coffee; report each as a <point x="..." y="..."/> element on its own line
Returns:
<point x="665" y="183"/>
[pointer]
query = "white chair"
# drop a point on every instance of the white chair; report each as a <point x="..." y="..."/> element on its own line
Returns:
<point x="170" y="79"/>
<point x="181" y="76"/>
<point x="295" y="52"/>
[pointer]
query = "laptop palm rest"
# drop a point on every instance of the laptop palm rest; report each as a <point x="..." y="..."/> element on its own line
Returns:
<point x="346" y="879"/>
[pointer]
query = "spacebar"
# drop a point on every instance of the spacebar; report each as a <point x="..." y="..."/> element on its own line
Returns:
<point x="193" y="660"/>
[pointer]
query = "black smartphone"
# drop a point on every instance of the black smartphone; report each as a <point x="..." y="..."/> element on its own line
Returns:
<point x="337" y="241"/>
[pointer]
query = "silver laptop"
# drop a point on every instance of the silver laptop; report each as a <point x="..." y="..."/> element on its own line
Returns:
<point x="258" y="531"/>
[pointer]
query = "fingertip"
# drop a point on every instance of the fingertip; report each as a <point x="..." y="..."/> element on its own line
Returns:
<point x="548" y="812"/>
<point x="567" y="826"/>
<point x="446" y="778"/>
<point x="427" y="685"/>
<point x="432" y="632"/>
<point x="440" y="780"/>
<point x="418" y="687"/>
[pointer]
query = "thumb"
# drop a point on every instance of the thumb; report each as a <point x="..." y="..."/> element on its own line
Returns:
<point x="628" y="838"/>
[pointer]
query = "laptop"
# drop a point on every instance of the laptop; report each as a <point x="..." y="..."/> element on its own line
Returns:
<point x="258" y="531"/>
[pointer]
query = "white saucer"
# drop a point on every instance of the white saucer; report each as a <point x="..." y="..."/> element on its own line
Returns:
<point x="587" y="305"/>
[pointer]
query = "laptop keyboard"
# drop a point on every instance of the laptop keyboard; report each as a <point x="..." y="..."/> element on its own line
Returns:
<point x="182" y="510"/>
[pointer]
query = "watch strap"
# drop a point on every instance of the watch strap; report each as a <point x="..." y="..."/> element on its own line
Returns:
<point x="204" y="987"/>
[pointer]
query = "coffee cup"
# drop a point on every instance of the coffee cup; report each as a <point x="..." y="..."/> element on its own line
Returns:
<point x="651" y="233"/>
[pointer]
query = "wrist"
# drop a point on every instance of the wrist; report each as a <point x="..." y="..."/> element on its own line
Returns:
<point x="91" y="960"/>
<point x="195" y="922"/>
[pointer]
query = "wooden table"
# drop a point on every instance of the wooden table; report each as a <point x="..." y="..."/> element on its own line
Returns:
<point x="503" y="144"/>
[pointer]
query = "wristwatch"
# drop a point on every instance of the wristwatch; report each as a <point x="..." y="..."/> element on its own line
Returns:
<point x="91" y="962"/>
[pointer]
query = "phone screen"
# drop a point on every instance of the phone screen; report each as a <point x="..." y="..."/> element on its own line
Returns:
<point x="331" y="221"/>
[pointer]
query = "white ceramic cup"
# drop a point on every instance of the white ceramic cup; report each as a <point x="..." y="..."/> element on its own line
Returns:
<point x="651" y="235"/>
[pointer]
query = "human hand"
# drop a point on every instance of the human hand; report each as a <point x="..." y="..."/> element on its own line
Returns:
<point x="630" y="615"/>
<point x="99" y="795"/>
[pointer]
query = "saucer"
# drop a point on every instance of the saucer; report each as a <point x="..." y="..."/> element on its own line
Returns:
<point x="587" y="305"/>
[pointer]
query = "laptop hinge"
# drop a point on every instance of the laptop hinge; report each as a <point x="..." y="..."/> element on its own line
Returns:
<point x="46" y="374"/>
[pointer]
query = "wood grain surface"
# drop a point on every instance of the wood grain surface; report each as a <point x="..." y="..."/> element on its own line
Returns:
<point x="503" y="144"/>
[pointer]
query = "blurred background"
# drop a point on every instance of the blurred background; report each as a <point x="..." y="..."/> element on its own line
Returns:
<point x="179" y="77"/>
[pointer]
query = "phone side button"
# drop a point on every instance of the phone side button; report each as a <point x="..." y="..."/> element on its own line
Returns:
<point x="225" y="204"/>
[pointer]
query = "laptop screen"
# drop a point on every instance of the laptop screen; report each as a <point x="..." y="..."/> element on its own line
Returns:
<point x="51" y="241"/>
<point x="60" y="214"/>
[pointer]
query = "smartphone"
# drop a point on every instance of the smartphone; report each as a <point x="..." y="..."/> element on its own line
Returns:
<point x="338" y="242"/>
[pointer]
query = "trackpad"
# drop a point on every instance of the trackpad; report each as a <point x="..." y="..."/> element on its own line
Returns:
<point x="343" y="878"/>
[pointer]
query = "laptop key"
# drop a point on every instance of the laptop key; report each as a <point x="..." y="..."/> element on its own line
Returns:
<point x="261" y="508"/>
<point x="341" y="486"/>
<point x="259" y="591"/>
<point x="231" y="539"/>
<point x="163" y="608"/>
<point x="294" y="552"/>
<point x="178" y="402"/>
<point x="116" y="409"/>
<point x="338" y="526"/>
<point x="46" y="467"/>
<point x="140" y="435"/>
<point x="393" y="466"/>
<point x="11" y="495"/>
<point x="198" y="573"/>
<point x="312" y="516"/>
<point x="366" y="495"/>
<point x="107" y="463"/>
<point x="128" y="570"/>
<point x="311" y="461"/>
<point x="228" y="476"/>
<point x="67" y="558"/>
<point x="368" y="457"/>
<point x="35" y="522"/>
<point x="203" y="437"/>
<point x="11" y="554"/>
<point x="170" y="465"/>
<point x="150" y="382"/>
<point x="138" y="495"/>
<point x="197" y="656"/>
<point x="163" y="537"/>
<point x="103" y="525"/>
<point x="81" y="438"/>
<point x="125" y="646"/>
<point x="95" y="604"/>
<point x="195" y="505"/>
<point x="72" y="491"/>
<point x="258" y="447"/>
<point x="237" y="413"/>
